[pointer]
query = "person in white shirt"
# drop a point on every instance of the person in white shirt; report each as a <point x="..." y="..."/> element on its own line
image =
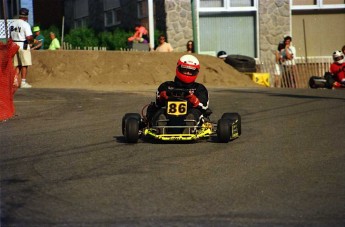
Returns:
<point x="163" y="46"/>
<point x="289" y="64"/>
<point x="21" y="34"/>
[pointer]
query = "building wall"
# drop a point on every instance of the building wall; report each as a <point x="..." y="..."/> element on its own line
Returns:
<point x="47" y="13"/>
<point x="179" y="23"/>
<point x="129" y="14"/>
<point x="69" y="14"/>
<point x="96" y="15"/>
<point x="322" y="33"/>
<point x="11" y="9"/>
<point x="274" y="23"/>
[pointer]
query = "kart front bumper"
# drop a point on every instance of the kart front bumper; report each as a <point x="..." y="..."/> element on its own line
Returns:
<point x="203" y="133"/>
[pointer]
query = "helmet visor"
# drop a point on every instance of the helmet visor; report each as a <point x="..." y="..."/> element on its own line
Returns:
<point x="188" y="70"/>
<point x="338" y="58"/>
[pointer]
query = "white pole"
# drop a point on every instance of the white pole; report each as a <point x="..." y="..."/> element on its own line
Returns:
<point x="63" y="30"/>
<point x="151" y="26"/>
<point x="5" y="18"/>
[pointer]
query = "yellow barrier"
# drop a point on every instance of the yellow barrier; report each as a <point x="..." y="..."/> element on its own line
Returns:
<point x="262" y="79"/>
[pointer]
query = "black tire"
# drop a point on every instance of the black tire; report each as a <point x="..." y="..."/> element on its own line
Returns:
<point x="246" y="70"/>
<point x="241" y="63"/>
<point x="223" y="130"/>
<point x="129" y="115"/>
<point x="131" y="132"/>
<point x="329" y="80"/>
<point x="233" y="117"/>
<point x="317" y="82"/>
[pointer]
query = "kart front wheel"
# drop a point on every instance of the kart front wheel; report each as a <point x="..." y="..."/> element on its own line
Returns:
<point x="127" y="116"/>
<point x="223" y="130"/>
<point x="131" y="130"/>
<point x="234" y="117"/>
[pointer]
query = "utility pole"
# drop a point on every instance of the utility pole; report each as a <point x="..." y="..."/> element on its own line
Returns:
<point x="151" y="25"/>
<point x="5" y="18"/>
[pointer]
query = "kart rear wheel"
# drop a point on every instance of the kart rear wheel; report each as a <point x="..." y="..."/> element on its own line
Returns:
<point x="234" y="117"/>
<point x="127" y="116"/>
<point x="131" y="131"/>
<point x="224" y="130"/>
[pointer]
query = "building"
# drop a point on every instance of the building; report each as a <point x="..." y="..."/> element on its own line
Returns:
<point x="11" y="9"/>
<point x="48" y="13"/>
<point x="103" y="15"/>
<point x="246" y="27"/>
<point x="254" y="28"/>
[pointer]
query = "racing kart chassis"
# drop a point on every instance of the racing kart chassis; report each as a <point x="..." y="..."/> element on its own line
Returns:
<point x="177" y="121"/>
<point x="327" y="81"/>
<point x="226" y="129"/>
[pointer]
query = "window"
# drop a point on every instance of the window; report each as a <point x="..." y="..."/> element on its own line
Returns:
<point x="317" y="4"/>
<point x="81" y="9"/>
<point x="109" y="18"/>
<point x="226" y="4"/>
<point x="229" y="25"/>
<point x="112" y="12"/>
<point x="111" y="4"/>
<point x="142" y="9"/>
<point x="241" y="3"/>
<point x="112" y="17"/>
<point x="232" y="32"/>
<point x="211" y="3"/>
<point x="80" y="22"/>
<point x="333" y="2"/>
<point x="303" y="2"/>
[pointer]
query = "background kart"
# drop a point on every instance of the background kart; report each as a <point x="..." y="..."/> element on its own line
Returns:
<point x="326" y="81"/>
<point x="176" y="125"/>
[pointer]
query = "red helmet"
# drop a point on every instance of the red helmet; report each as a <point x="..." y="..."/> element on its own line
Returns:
<point x="187" y="68"/>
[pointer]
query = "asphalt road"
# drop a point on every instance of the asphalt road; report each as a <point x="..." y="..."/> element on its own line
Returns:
<point x="64" y="162"/>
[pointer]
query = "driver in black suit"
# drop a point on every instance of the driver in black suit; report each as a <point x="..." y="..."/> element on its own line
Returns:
<point x="187" y="71"/>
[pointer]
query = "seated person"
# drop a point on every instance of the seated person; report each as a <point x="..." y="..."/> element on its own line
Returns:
<point x="140" y="35"/>
<point x="187" y="71"/>
<point x="337" y="69"/>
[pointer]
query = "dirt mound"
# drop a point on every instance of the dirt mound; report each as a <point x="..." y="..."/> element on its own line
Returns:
<point x="114" y="70"/>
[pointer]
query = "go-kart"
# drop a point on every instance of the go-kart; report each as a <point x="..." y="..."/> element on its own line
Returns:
<point x="176" y="124"/>
<point x="327" y="81"/>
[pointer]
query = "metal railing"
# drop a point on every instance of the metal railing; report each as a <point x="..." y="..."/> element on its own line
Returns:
<point x="68" y="46"/>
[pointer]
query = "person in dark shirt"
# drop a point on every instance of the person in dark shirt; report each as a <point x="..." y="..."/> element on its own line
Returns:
<point x="187" y="71"/>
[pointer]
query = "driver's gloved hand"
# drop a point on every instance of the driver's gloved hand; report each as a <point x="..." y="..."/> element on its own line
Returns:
<point x="342" y="81"/>
<point x="193" y="99"/>
<point x="163" y="95"/>
<point x="336" y="84"/>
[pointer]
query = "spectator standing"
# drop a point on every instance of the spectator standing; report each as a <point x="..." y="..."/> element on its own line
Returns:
<point x="20" y="33"/>
<point x="55" y="44"/>
<point x="289" y="64"/>
<point x="39" y="39"/>
<point x="163" y="46"/>
<point x="278" y="65"/>
<point x="190" y="47"/>
<point x="8" y="79"/>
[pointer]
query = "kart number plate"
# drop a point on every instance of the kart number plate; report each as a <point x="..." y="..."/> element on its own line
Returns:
<point x="177" y="108"/>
